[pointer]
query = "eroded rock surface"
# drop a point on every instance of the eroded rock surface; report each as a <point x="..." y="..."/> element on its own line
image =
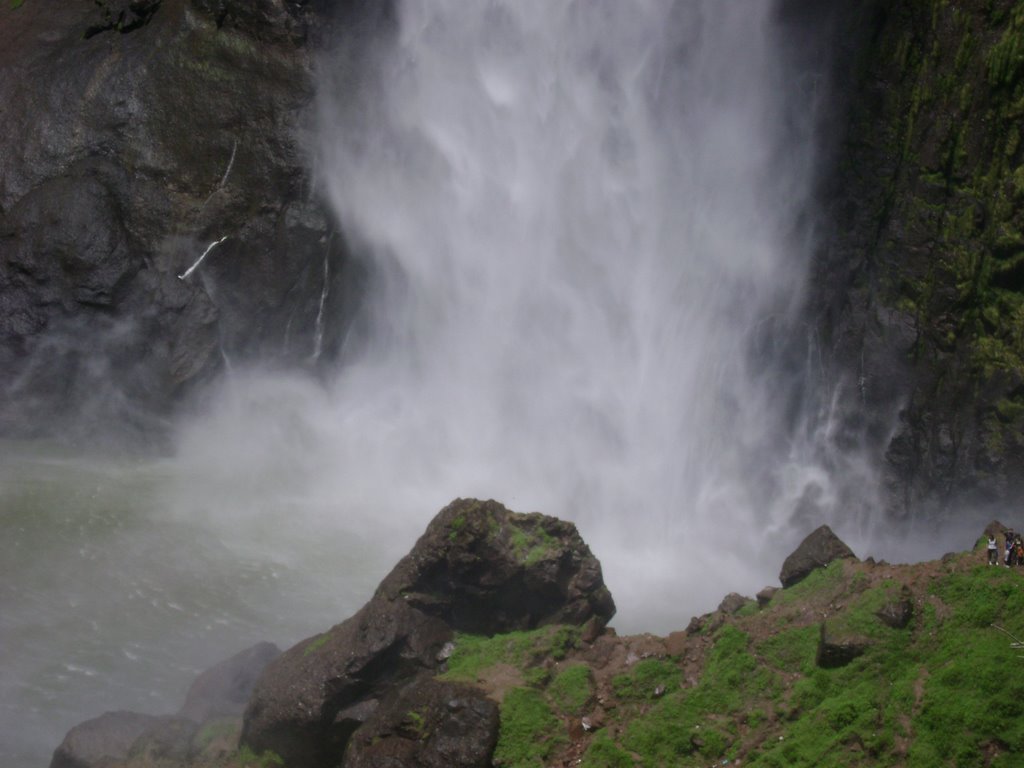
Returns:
<point x="164" y="126"/>
<point x="428" y="724"/>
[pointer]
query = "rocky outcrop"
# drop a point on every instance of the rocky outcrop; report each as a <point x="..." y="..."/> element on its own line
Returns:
<point x="921" y="287"/>
<point x="483" y="569"/>
<point x="478" y="568"/>
<point x="164" y="127"/>
<point x="104" y="739"/>
<point x="817" y="550"/>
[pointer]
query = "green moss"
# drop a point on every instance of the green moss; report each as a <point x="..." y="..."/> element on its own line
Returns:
<point x="1006" y="58"/>
<point x="250" y="759"/>
<point x="532" y="544"/>
<point x="416" y="724"/>
<point x="456" y="526"/>
<point x="316" y="644"/>
<point x="529" y="730"/>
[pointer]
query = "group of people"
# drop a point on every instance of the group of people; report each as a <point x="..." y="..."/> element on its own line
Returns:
<point x="1013" y="549"/>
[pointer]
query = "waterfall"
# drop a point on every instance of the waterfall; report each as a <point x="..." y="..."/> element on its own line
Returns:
<point x="579" y="220"/>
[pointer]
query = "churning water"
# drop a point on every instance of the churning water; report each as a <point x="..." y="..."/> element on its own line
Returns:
<point x="581" y="223"/>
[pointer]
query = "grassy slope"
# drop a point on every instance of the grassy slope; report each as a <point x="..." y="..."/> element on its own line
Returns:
<point x="946" y="690"/>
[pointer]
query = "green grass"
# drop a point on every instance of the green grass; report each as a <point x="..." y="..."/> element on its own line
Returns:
<point x="473" y="654"/>
<point x="645" y="678"/>
<point x="529" y="731"/>
<point x="603" y="752"/>
<point x="829" y="577"/>
<point x="250" y="759"/>
<point x="572" y="689"/>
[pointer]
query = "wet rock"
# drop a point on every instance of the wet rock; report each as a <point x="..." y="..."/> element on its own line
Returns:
<point x="478" y="568"/>
<point x="101" y="740"/>
<point x="224" y="689"/>
<point x="428" y="724"/>
<point x="160" y="131"/>
<point x="819" y="549"/>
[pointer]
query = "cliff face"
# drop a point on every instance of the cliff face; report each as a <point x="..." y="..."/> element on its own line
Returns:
<point x="920" y="287"/>
<point x="135" y="135"/>
<point x="169" y="129"/>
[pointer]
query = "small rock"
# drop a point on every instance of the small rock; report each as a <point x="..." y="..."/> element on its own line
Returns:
<point x="733" y="602"/>
<point x="765" y="595"/>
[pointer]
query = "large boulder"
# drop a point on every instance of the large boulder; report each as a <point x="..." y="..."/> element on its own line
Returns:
<point x="103" y="739"/>
<point x="302" y="706"/>
<point x="819" y="549"/>
<point x="478" y="568"/>
<point x="483" y="569"/>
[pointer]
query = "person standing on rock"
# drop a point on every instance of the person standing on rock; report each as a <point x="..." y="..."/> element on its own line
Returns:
<point x="993" y="550"/>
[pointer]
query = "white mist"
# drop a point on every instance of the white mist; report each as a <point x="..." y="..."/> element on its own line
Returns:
<point x="578" y="216"/>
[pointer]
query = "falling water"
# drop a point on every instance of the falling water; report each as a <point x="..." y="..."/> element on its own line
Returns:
<point x="582" y="227"/>
<point x="580" y="220"/>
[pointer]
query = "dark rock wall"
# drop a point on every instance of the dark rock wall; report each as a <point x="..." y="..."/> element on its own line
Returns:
<point x="919" y="290"/>
<point x="134" y="135"/>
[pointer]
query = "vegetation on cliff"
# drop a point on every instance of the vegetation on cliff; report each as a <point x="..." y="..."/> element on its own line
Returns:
<point x="859" y="664"/>
<point x="930" y="220"/>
